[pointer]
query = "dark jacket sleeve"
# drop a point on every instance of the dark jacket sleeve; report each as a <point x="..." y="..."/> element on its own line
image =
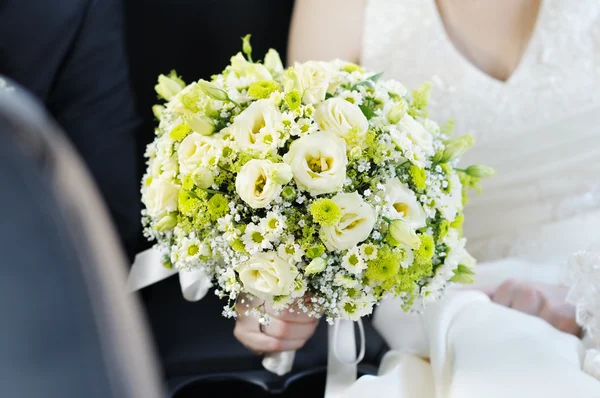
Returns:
<point x="92" y="99"/>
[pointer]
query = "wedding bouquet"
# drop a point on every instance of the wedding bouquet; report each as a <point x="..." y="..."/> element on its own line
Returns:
<point x="320" y="181"/>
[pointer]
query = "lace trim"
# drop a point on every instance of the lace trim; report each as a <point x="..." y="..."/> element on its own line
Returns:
<point x="583" y="275"/>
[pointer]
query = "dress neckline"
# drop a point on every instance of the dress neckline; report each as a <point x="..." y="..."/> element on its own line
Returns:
<point x="524" y="61"/>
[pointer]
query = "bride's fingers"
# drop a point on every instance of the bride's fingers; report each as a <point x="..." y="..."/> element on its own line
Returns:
<point x="288" y="330"/>
<point x="528" y="300"/>
<point x="263" y="343"/>
<point x="505" y="293"/>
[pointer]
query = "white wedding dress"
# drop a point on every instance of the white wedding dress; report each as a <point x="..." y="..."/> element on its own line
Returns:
<point x="541" y="131"/>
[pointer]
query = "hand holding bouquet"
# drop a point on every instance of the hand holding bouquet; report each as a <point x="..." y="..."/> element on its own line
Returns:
<point x="320" y="181"/>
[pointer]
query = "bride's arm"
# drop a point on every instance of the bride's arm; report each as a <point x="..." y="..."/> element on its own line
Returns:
<point x="323" y="30"/>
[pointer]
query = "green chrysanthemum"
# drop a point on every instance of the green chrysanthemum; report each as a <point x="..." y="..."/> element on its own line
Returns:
<point x="218" y="206"/>
<point x="188" y="203"/>
<point x="325" y="212"/>
<point x="293" y="99"/>
<point x="442" y="229"/>
<point x="385" y="266"/>
<point x="188" y="183"/>
<point x="262" y="89"/>
<point x="180" y="131"/>
<point x="349" y="67"/>
<point x="418" y="177"/>
<point x="424" y="253"/>
<point x="458" y="223"/>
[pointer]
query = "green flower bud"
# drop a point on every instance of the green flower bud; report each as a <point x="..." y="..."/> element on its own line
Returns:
<point x="158" y="110"/>
<point x="200" y="123"/>
<point x="273" y="61"/>
<point x="282" y="173"/>
<point x="247" y="47"/>
<point x="316" y="266"/>
<point x="213" y="90"/>
<point x="397" y="112"/>
<point x="203" y="178"/>
<point x="356" y="152"/>
<point x="288" y="193"/>
<point x="402" y="233"/>
<point x="166" y="223"/>
<point x="480" y="171"/>
<point x="456" y="147"/>
<point x="169" y="86"/>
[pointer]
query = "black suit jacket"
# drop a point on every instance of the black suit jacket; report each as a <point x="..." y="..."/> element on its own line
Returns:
<point x="71" y="54"/>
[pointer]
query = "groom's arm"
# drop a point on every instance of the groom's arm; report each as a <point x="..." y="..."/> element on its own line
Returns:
<point x="91" y="98"/>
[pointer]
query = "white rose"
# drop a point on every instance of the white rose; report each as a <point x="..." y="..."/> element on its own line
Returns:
<point x="318" y="162"/>
<point x="197" y="150"/>
<point x="404" y="204"/>
<point x="355" y="226"/>
<point x="160" y="197"/>
<point x="343" y="118"/>
<point x="242" y="67"/>
<point x="260" y="181"/>
<point x="415" y="132"/>
<point x="311" y="79"/>
<point x="260" y="119"/>
<point x="266" y="275"/>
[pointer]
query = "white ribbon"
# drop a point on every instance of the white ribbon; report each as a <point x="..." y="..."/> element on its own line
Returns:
<point x="148" y="269"/>
<point x="341" y="365"/>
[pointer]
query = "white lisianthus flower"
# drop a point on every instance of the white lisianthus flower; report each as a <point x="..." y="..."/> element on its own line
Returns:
<point x="404" y="204"/>
<point x="311" y="79"/>
<point x="253" y="71"/>
<point x="160" y="197"/>
<point x="318" y="162"/>
<point x="355" y="225"/>
<point x="266" y="275"/>
<point x="415" y="132"/>
<point x="256" y="183"/>
<point x="343" y="118"/>
<point x="252" y="128"/>
<point x="197" y="150"/>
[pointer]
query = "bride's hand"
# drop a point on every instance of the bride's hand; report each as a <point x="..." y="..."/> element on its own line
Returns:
<point x="541" y="300"/>
<point x="287" y="331"/>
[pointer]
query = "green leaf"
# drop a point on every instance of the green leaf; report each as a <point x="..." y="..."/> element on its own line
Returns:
<point x="363" y="83"/>
<point x="327" y="96"/>
<point x="368" y="112"/>
<point x="463" y="269"/>
<point x="376" y="77"/>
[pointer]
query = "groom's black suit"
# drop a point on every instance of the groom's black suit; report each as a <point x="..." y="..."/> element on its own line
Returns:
<point x="71" y="55"/>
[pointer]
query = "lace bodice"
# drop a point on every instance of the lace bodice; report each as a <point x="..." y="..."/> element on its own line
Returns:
<point x="540" y="129"/>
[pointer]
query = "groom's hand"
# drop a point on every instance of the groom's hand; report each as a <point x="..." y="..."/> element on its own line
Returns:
<point x="541" y="300"/>
<point x="287" y="331"/>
